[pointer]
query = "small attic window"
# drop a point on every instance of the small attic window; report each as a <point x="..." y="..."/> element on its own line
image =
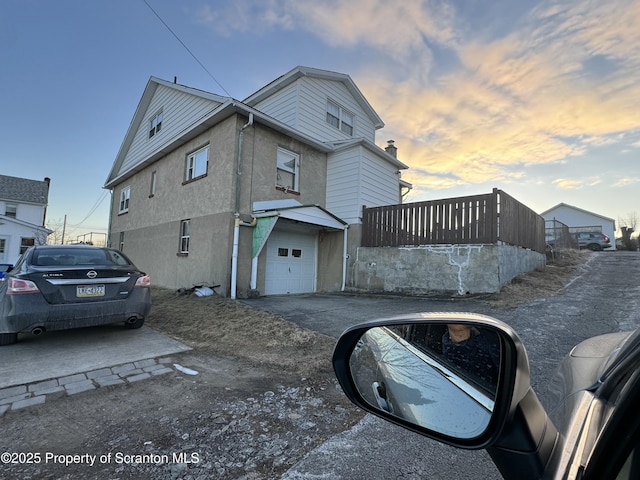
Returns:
<point x="155" y="125"/>
<point x="339" y="118"/>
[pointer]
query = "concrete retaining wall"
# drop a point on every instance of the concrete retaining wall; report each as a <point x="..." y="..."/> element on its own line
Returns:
<point x="460" y="269"/>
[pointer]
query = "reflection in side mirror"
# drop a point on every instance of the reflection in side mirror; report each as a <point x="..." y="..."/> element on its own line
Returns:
<point x="442" y="377"/>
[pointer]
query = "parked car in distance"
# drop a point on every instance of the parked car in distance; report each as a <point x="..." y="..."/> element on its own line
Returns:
<point x="59" y="287"/>
<point x="401" y="369"/>
<point x="595" y="241"/>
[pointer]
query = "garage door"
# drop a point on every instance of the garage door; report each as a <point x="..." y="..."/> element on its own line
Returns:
<point x="291" y="263"/>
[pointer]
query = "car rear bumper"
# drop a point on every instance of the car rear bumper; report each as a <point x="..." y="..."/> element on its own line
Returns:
<point x="24" y="313"/>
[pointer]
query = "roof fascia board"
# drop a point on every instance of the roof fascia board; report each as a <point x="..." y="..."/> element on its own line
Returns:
<point x="22" y="223"/>
<point x="289" y="213"/>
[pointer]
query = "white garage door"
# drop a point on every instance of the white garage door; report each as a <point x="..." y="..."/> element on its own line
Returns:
<point x="291" y="263"/>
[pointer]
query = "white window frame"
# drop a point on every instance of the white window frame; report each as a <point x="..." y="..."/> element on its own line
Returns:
<point x="185" y="236"/>
<point x="11" y="210"/>
<point x="155" y="124"/>
<point x="197" y="164"/>
<point x="121" y="242"/>
<point x="288" y="170"/>
<point x="154" y="181"/>
<point x="340" y="118"/>
<point x="125" y="197"/>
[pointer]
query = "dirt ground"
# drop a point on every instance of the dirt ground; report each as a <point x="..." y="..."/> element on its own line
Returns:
<point x="264" y="396"/>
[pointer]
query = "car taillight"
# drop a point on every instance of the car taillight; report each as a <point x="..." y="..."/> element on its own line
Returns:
<point x="144" y="281"/>
<point x="605" y="238"/>
<point x="18" y="286"/>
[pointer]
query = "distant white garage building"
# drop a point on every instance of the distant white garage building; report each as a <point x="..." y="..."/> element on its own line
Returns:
<point x="577" y="218"/>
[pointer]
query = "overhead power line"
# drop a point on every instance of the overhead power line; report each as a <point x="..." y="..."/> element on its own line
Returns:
<point x="186" y="48"/>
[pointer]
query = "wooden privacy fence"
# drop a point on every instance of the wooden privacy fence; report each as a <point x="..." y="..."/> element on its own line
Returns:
<point x="479" y="219"/>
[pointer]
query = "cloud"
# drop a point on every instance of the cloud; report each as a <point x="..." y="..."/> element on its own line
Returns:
<point x="472" y="104"/>
<point x="576" y="183"/>
<point x="626" y="181"/>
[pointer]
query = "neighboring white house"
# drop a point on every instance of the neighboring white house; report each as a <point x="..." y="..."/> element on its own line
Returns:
<point x="260" y="195"/>
<point x="23" y="207"/>
<point x="578" y="219"/>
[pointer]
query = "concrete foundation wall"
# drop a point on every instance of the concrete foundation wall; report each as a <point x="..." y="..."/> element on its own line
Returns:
<point x="459" y="269"/>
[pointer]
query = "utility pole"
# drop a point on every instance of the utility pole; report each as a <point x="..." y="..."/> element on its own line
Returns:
<point x="64" y="227"/>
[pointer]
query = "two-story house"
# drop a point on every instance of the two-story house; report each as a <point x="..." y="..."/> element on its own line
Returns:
<point x="259" y="196"/>
<point x="23" y="209"/>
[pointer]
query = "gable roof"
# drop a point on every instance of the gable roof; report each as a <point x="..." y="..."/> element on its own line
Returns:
<point x="299" y="72"/>
<point x="347" y="144"/>
<point x="141" y="111"/>
<point x="566" y="205"/>
<point x="220" y="108"/>
<point x="24" y="190"/>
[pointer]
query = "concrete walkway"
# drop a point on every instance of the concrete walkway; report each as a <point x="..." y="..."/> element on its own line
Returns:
<point x="64" y="353"/>
<point x="74" y="361"/>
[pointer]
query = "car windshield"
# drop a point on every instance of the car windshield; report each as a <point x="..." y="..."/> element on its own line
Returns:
<point x="77" y="256"/>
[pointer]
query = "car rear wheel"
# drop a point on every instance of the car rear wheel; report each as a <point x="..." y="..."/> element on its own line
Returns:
<point x="8" y="338"/>
<point x="134" y="323"/>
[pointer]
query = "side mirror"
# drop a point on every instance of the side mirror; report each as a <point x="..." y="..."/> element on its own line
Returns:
<point x="459" y="378"/>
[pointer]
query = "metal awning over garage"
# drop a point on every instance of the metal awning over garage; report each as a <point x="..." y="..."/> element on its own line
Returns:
<point x="267" y="215"/>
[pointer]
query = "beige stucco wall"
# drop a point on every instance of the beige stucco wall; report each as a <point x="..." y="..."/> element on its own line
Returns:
<point x="154" y="249"/>
<point x="152" y="225"/>
<point x="260" y="148"/>
<point x="329" y="271"/>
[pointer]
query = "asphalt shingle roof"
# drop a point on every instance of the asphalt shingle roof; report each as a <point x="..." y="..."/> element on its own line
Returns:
<point x="16" y="189"/>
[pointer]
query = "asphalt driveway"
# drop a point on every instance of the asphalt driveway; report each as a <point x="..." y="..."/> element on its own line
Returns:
<point x="604" y="297"/>
<point x="331" y="314"/>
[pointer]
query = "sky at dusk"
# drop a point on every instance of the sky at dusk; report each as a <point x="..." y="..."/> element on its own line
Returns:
<point x="538" y="98"/>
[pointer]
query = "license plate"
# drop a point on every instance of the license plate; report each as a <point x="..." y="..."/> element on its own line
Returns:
<point x="90" y="291"/>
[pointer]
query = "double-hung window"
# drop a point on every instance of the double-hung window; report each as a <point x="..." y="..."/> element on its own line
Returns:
<point x="125" y="195"/>
<point x="11" y="210"/>
<point x="25" y="243"/>
<point x="340" y="118"/>
<point x="155" y="124"/>
<point x="288" y="169"/>
<point x="185" y="234"/>
<point x="197" y="164"/>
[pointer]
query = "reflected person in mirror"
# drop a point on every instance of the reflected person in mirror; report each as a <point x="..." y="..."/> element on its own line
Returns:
<point x="475" y="351"/>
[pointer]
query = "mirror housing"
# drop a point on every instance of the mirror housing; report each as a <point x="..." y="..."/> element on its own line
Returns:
<point x="516" y="433"/>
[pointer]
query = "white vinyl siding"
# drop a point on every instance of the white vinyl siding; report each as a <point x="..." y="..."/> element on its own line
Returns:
<point x="283" y="106"/>
<point x="303" y="105"/>
<point x="179" y="111"/>
<point x="355" y="178"/>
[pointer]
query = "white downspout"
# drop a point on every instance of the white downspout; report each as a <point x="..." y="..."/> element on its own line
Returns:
<point x="345" y="257"/>
<point x="254" y="273"/>
<point x="236" y="227"/>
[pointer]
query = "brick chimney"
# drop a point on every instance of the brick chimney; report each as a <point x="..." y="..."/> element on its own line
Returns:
<point x="391" y="149"/>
